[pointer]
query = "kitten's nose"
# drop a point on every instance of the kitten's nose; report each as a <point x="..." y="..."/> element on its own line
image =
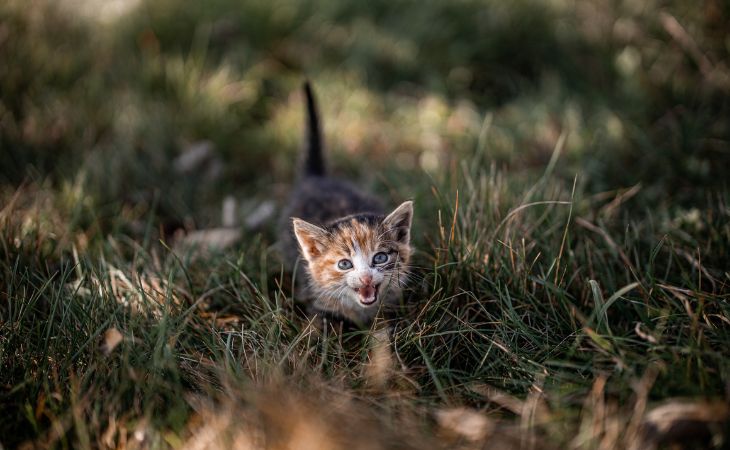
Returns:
<point x="367" y="280"/>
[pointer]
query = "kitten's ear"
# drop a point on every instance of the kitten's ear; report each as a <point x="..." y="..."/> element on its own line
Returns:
<point x="312" y="239"/>
<point x="398" y="223"/>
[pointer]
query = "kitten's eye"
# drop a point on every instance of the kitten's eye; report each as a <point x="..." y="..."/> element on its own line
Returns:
<point x="344" y="264"/>
<point x="380" y="258"/>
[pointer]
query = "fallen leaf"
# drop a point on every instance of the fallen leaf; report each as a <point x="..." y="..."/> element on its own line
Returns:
<point x="112" y="338"/>
<point x="213" y="238"/>
<point x="465" y="422"/>
<point x="685" y="421"/>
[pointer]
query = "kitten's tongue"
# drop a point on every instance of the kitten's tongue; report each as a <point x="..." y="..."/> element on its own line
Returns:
<point x="367" y="294"/>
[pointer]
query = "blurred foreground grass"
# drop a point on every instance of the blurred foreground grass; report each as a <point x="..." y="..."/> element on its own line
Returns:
<point x="568" y="163"/>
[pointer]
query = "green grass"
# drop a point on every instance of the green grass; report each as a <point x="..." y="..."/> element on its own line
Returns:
<point x="568" y="166"/>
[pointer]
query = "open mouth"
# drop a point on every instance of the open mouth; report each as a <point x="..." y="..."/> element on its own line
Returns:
<point x="367" y="294"/>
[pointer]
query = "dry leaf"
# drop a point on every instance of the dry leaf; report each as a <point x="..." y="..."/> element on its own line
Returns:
<point x="213" y="238"/>
<point x="112" y="338"/>
<point x="465" y="422"/>
<point x="686" y="421"/>
<point x="194" y="157"/>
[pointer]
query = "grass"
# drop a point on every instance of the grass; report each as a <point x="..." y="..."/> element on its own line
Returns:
<point x="567" y="164"/>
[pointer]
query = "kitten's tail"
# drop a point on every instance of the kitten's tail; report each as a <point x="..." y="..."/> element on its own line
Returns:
<point x="313" y="158"/>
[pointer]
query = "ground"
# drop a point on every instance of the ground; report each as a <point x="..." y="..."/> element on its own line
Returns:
<point x="568" y="165"/>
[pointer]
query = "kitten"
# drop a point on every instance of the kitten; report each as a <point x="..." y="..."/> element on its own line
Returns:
<point x="354" y="257"/>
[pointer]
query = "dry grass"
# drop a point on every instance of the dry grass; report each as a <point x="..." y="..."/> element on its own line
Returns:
<point x="567" y="164"/>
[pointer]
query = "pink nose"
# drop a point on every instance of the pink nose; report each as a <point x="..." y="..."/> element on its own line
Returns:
<point x="367" y="280"/>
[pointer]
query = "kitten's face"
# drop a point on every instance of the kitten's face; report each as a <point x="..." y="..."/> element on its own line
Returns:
<point x="358" y="259"/>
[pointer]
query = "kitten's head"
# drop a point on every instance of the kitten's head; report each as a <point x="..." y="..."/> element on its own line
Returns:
<point x="360" y="258"/>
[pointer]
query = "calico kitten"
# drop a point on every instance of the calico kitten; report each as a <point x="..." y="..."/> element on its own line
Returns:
<point x="354" y="257"/>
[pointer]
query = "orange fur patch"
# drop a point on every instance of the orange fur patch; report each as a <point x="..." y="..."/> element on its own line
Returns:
<point x="342" y="243"/>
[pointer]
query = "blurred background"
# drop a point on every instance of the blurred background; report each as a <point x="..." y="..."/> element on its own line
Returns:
<point x="101" y="99"/>
<point x="559" y="153"/>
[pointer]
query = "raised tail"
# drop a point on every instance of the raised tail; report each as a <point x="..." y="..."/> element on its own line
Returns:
<point x="313" y="157"/>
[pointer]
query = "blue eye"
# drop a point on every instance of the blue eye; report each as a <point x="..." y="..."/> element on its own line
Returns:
<point x="380" y="258"/>
<point x="344" y="264"/>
